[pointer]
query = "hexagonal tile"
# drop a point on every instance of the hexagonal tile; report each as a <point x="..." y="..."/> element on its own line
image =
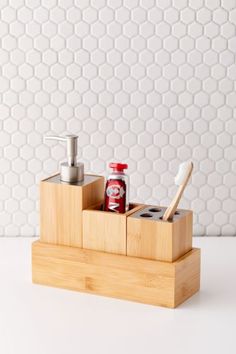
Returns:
<point x="150" y="84"/>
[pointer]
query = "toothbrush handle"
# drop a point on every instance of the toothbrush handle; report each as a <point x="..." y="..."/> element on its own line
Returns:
<point x="170" y="211"/>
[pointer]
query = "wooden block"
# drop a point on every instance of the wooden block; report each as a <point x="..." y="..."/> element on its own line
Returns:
<point x="106" y="231"/>
<point x="150" y="237"/>
<point x="61" y="206"/>
<point x="147" y="281"/>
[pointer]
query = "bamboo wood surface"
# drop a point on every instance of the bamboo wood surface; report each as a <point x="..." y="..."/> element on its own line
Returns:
<point x="159" y="240"/>
<point x="106" y="231"/>
<point x="61" y="208"/>
<point x="146" y="281"/>
<point x="185" y="271"/>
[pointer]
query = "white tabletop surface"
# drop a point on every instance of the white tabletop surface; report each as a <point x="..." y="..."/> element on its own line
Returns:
<point x="36" y="319"/>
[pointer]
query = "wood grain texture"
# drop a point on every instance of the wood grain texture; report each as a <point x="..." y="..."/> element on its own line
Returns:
<point x="159" y="240"/>
<point x="61" y="208"/>
<point x="106" y="231"/>
<point x="187" y="276"/>
<point x="146" y="281"/>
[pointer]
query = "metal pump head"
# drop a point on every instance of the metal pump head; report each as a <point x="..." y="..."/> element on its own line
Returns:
<point x="71" y="171"/>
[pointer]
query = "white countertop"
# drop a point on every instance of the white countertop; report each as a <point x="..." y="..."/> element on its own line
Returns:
<point x="42" y="320"/>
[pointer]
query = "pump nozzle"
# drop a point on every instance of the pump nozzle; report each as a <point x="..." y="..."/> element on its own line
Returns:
<point x="71" y="171"/>
<point x="71" y="142"/>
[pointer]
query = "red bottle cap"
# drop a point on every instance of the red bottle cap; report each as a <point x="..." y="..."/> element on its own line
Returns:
<point x="118" y="166"/>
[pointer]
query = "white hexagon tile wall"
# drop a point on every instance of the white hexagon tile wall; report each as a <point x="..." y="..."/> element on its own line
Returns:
<point x="148" y="82"/>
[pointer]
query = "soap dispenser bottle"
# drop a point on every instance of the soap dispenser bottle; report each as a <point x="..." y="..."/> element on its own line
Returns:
<point x="70" y="171"/>
<point x="65" y="195"/>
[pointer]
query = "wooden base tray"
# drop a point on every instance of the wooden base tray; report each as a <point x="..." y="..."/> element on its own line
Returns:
<point x="147" y="281"/>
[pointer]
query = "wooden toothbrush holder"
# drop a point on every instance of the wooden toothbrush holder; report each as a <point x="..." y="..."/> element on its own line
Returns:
<point x="148" y="236"/>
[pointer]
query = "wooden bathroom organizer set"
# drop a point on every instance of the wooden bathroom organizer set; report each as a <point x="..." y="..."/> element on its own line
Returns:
<point x="135" y="256"/>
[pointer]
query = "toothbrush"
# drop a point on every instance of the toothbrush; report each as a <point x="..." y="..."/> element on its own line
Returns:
<point x="181" y="179"/>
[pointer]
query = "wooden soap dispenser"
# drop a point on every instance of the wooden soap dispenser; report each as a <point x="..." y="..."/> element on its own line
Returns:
<point x="63" y="197"/>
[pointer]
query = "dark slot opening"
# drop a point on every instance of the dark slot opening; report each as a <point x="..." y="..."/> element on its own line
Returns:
<point x="154" y="210"/>
<point x="146" y="215"/>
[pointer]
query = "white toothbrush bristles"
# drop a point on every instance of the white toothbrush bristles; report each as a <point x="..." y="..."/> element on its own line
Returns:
<point x="184" y="169"/>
